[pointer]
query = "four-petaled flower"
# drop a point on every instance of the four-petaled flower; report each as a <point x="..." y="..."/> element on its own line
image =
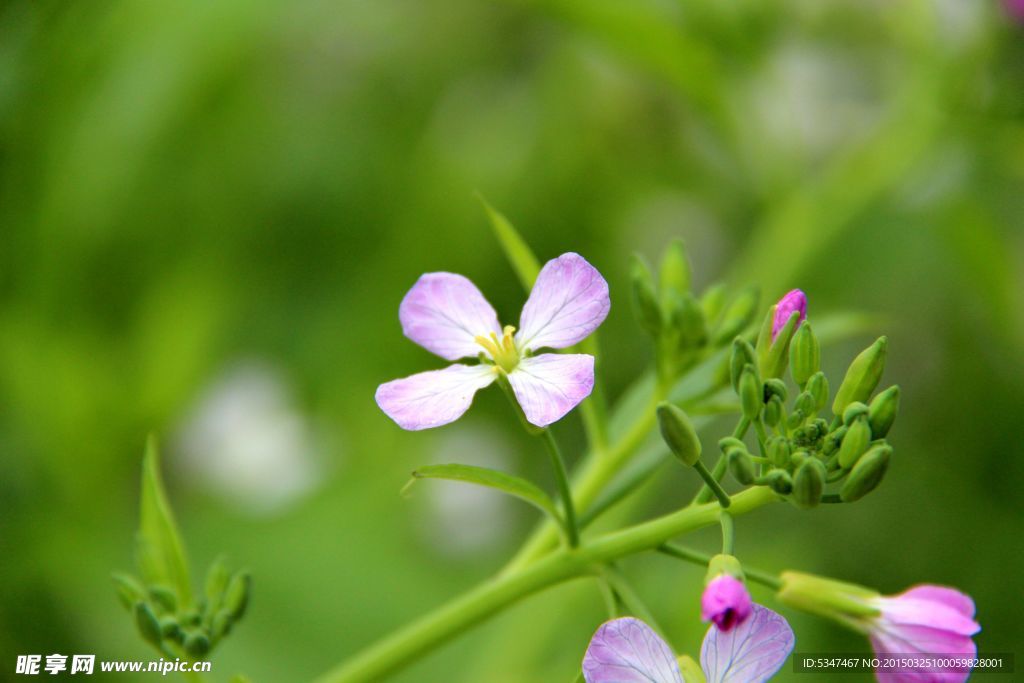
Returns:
<point x="627" y="650"/>
<point x="446" y="314"/>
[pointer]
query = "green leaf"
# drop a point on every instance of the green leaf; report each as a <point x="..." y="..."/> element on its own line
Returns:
<point x="160" y="552"/>
<point x="506" y="483"/>
<point x="518" y="252"/>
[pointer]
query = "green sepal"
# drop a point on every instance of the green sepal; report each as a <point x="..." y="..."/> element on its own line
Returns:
<point x="774" y="362"/>
<point x="217" y="577"/>
<point x="723" y="564"/>
<point x="772" y="411"/>
<point x="862" y="376"/>
<point x="506" y="483"/>
<point x="751" y="395"/>
<point x="853" y="411"/>
<point x="237" y="594"/>
<point x="738" y="316"/>
<point x="517" y="251"/>
<point x="855" y="443"/>
<point x="808" y="483"/>
<point x="817" y="386"/>
<point x="804" y="354"/>
<point x="674" y="275"/>
<point x="741" y="466"/>
<point x="147" y="623"/>
<point x="679" y="433"/>
<point x="160" y="552"/>
<point x="867" y="474"/>
<point x="847" y="603"/>
<point x="645" y="299"/>
<point x="882" y="411"/>
<point x="742" y="354"/>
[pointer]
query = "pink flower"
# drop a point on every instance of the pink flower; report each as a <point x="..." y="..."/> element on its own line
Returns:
<point x="795" y="301"/>
<point x="446" y="314"/>
<point x="1015" y="8"/>
<point x="726" y="602"/>
<point x="924" y="620"/>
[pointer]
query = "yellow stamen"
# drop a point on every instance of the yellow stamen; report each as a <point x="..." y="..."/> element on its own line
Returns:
<point x="503" y="351"/>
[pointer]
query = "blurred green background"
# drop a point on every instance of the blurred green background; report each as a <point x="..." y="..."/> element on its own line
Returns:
<point x="209" y="212"/>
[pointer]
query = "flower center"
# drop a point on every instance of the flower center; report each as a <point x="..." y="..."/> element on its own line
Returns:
<point x="503" y="351"/>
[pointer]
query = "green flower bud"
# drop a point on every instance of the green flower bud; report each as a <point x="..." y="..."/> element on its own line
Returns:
<point x="236" y="597"/>
<point x="795" y="419"/>
<point x="798" y="459"/>
<point x="866" y="475"/>
<point x="751" y="396"/>
<point x="728" y="443"/>
<point x="129" y="591"/>
<point x="217" y="577"/>
<point x="774" y="387"/>
<point x="779" y="451"/>
<point x="741" y="356"/>
<point x="855" y="443"/>
<point x="773" y="411"/>
<point x="675" y="271"/>
<point x="808" y="483"/>
<point x="853" y="411"/>
<point x="678" y="433"/>
<point x="686" y="319"/>
<point x="741" y="466"/>
<point x="833" y="440"/>
<point x="882" y="412"/>
<point x="805" y="403"/>
<point x="197" y="645"/>
<point x="711" y="303"/>
<point x="862" y="376"/>
<point x="738" y="315"/>
<point x="164" y="599"/>
<point x="804" y="354"/>
<point x="169" y="628"/>
<point x="817" y="386"/>
<point x="147" y="623"/>
<point x="221" y="624"/>
<point x="645" y="300"/>
<point x="780" y="481"/>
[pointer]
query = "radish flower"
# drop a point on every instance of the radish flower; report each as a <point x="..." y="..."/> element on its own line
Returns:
<point x="725" y="602"/>
<point x="795" y="301"/>
<point x="628" y="651"/>
<point x="446" y="314"/>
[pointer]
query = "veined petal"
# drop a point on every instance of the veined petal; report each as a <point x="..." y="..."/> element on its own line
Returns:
<point x="550" y="385"/>
<point x="921" y="641"/>
<point x="750" y="653"/>
<point x="568" y="302"/>
<point x="950" y="597"/>
<point x="444" y="312"/>
<point x="433" y="398"/>
<point x="901" y="611"/>
<point x="628" y="651"/>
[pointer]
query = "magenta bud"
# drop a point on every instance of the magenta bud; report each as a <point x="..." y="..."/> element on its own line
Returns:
<point x="726" y="602"/>
<point x="794" y="301"/>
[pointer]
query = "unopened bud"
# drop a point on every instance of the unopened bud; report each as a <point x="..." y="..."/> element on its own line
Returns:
<point x="738" y="315"/>
<point x="129" y="591"/>
<point x="817" y="386"/>
<point x="147" y="623"/>
<point x="855" y="443"/>
<point x="169" y="628"/>
<point x="236" y="597"/>
<point x="780" y="482"/>
<point x="197" y="645"/>
<point x="741" y="356"/>
<point x="645" y="300"/>
<point x="804" y="355"/>
<point x="772" y="411"/>
<point x="675" y="271"/>
<point x="882" y="412"/>
<point x="805" y="403"/>
<point x="794" y="301"/>
<point x="808" y="483"/>
<point x="164" y="599"/>
<point x="221" y="625"/>
<point x="726" y="444"/>
<point x="774" y="386"/>
<point x="751" y="396"/>
<point x="796" y="418"/>
<point x="862" y="376"/>
<point x="779" y="451"/>
<point x="832" y="441"/>
<point x="686" y="319"/>
<point x="853" y="411"/>
<point x="678" y="433"/>
<point x="866" y="475"/>
<point x="741" y="466"/>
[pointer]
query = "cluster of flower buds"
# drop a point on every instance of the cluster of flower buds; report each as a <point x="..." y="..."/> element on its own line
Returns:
<point x="197" y="628"/>
<point x="805" y="453"/>
<point x="679" y="322"/>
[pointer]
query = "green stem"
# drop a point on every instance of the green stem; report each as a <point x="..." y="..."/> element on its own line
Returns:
<point x="711" y="482"/>
<point x="682" y="552"/>
<point x="705" y="494"/>
<point x="572" y="531"/>
<point x="491" y="597"/>
<point x="728" y="533"/>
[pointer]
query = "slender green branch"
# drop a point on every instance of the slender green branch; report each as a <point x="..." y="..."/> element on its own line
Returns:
<point x="705" y="494"/>
<point x="711" y="482"/>
<point x="491" y="597"/>
<point x="728" y="533"/>
<point x="572" y="531"/>
<point x="682" y="552"/>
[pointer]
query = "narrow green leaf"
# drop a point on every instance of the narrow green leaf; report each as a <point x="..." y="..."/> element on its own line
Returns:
<point x="160" y="552"/>
<point x="506" y="483"/>
<point x="516" y="249"/>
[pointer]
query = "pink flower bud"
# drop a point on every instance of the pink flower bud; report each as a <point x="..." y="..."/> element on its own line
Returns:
<point x="726" y="602"/>
<point x="794" y="302"/>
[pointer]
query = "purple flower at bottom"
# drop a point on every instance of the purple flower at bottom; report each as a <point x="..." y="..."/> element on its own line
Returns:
<point x="725" y="602"/>
<point x="795" y="301"/>
<point x="446" y="314"/>
<point x="925" y="620"/>
<point x="627" y="650"/>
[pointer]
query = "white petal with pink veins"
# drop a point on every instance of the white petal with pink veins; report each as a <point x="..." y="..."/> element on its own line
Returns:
<point x="569" y="301"/>
<point x="443" y="312"/>
<point x="434" y="398"/>
<point x="550" y="385"/>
